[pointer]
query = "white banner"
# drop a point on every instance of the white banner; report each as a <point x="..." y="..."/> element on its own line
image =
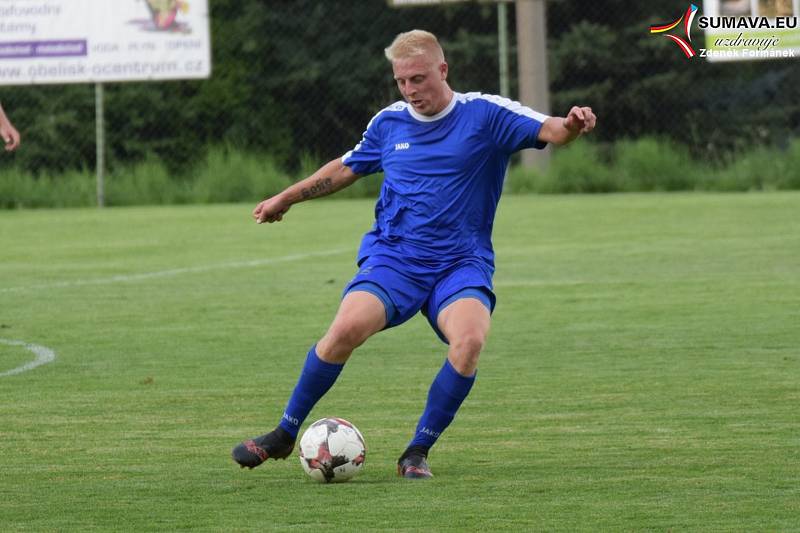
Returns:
<point x="738" y="30"/>
<point x="75" y="41"/>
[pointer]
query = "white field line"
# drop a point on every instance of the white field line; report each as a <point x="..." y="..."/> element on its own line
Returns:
<point x="546" y="283"/>
<point x="125" y="278"/>
<point x="43" y="355"/>
<point x="521" y="283"/>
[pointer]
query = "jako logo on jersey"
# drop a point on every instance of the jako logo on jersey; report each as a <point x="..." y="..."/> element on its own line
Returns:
<point x="402" y="146"/>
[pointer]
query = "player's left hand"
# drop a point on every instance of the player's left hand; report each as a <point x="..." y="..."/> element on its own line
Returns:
<point x="580" y="120"/>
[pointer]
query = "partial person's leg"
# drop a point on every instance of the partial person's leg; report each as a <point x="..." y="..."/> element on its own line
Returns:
<point x="361" y="314"/>
<point x="465" y="324"/>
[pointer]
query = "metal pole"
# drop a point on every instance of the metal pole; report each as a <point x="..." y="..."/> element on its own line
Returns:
<point x="534" y="84"/>
<point x="502" y="48"/>
<point x="100" y="144"/>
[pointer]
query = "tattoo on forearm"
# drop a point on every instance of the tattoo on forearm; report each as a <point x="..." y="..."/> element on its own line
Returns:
<point x="321" y="187"/>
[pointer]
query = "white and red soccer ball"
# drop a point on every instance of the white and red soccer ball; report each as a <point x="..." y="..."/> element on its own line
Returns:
<point x="332" y="450"/>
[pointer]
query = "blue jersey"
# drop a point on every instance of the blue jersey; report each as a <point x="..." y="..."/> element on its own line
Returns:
<point x="443" y="176"/>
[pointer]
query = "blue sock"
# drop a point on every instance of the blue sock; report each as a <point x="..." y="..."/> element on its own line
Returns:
<point x="447" y="391"/>
<point x="315" y="380"/>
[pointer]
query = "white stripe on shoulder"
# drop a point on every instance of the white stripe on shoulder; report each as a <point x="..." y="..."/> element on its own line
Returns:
<point x="397" y="106"/>
<point x="509" y="104"/>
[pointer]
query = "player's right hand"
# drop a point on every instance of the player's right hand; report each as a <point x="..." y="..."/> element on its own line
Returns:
<point x="580" y="120"/>
<point x="271" y="210"/>
<point x="10" y="136"/>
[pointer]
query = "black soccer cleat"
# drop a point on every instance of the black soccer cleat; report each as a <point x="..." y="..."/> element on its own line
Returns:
<point x="413" y="464"/>
<point x="277" y="444"/>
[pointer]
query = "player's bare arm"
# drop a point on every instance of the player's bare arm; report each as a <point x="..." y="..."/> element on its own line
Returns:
<point x="8" y="132"/>
<point x="563" y="130"/>
<point x="331" y="177"/>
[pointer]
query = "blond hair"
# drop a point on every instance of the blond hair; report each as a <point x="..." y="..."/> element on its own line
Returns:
<point x="414" y="43"/>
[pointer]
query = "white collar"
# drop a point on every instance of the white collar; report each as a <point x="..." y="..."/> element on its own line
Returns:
<point x="440" y="115"/>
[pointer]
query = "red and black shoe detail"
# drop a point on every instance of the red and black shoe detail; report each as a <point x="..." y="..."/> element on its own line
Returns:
<point x="277" y="444"/>
<point x="413" y="464"/>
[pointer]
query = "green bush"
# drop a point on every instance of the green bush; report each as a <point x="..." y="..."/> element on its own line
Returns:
<point x="578" y="168"/>
<point x="521" y="180"/>
<point x="230" y="175"/>
<point x="760" y="169"/>
<point x="146" y="183"/>
<point x="650" y="164"/>
<point x="15" y="189"/>
<point x="72" y="189"/>
<point x="19" y="189"/>
<point x="233" y="175"/>
<point x="790" y="180"/>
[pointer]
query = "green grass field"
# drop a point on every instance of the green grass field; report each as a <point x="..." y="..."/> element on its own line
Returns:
<point x="643" y="371"/>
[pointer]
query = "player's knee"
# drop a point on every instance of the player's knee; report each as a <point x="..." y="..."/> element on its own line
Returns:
<point x="344" y="337"/>
<point x="464" y="354"/>
<point x="469" y="343"/>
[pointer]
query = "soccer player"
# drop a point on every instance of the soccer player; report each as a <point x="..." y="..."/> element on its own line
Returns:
<point x="8" y="133"/>
<point x="444" y="156"/>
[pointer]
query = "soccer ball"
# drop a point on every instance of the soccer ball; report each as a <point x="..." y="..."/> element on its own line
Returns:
<point x="332" y="450"/>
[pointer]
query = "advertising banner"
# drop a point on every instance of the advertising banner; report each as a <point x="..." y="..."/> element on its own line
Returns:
<point x="738" y="30"/>
<point x="79" y="41"/>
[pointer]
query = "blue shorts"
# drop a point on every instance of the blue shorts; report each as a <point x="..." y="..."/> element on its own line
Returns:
<point x="405" y="287"/>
